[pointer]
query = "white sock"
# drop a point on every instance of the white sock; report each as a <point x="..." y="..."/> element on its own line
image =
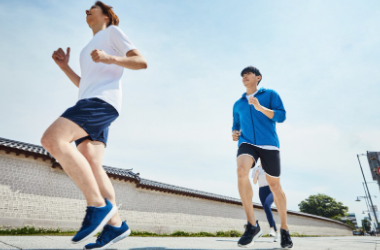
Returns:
<point x="119" y="225"/>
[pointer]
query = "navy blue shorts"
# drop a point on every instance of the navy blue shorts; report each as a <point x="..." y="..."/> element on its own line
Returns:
<point x="270" y="159"/>
<point x="94" y="116"/>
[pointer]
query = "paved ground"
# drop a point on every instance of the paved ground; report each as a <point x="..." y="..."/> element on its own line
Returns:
<point x="150" y="243"/>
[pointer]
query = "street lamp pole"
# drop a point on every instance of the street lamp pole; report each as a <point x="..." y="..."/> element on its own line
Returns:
<point x="369" y="195"/>
<point x="368" y="206"/>
<point x="366" y="198"/>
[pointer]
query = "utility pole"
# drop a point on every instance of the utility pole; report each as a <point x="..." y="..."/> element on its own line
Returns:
<point x="369" y="195"/>
<point x="367" y="203"/>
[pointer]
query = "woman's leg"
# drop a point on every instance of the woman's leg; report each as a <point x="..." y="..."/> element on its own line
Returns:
<point x="93" y="151"/>
<point x="268" y="204"/>
<point x="57" y="141"/>
<point x="266" y="198"/>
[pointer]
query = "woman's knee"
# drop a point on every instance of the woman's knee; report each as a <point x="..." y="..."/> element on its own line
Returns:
<point x="49" y="142"/>
<point x="267" y="207"/>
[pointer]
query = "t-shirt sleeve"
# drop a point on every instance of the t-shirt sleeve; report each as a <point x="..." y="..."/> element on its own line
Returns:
<point x="119" y="41"/>
<point x="262" y="171"/>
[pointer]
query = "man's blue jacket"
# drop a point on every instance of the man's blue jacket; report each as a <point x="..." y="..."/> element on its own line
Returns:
<point x="256" y="128"/>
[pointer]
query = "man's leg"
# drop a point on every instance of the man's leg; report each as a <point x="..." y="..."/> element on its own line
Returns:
<point x="279" y="199"/>
<point x="57" y="141"/>
<point x="244" y="164"/>
<point x="93" y="151"/>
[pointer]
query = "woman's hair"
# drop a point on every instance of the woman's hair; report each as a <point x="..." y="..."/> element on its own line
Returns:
<point x="107" y="10"/>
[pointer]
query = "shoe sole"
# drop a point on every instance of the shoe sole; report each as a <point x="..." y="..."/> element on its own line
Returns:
<point x="101" y="225"/>
<point x="288" y="247"/>
<point x="118" y="238"/>
<point x="253" y="240"/>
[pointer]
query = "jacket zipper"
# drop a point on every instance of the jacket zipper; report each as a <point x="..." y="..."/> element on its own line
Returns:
<point x="253" y="125"/>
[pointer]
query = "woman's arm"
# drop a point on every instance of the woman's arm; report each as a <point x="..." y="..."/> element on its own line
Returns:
<point x="71" y="75"/>
<point x="133" y="59"/>
<point x="62" y="60"/>
<point x="256" y="177"/>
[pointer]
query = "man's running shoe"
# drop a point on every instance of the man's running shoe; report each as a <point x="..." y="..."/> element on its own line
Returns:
<point x="286" y="241"/>
<point x="251" y="234"/>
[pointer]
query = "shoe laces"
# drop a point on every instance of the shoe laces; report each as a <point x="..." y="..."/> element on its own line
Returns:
<point x="246" y="231"/>
<point x="285" y="236"/>
<point x="89" y="216"/>
<point x="102" y="238"/>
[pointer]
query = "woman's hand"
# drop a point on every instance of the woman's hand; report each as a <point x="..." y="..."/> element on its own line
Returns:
<point x="100" y="56"/>
<point x="60" y="58"/>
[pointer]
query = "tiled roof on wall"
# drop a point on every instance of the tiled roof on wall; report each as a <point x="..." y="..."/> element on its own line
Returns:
<point x="36" y="151"/>
<point x="11" y="145"/>
<point x="149" y="184"/>
<point x="39" y="152"/>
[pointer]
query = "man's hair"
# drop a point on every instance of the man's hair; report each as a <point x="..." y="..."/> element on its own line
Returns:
<point x="253" y="70"/>
<point x="107" y="10"/>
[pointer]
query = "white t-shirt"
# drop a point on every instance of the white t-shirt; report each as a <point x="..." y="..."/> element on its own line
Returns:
<point x="267" y="147"/>
<point x="99" y="79"/>
<point x="262" y="176"/>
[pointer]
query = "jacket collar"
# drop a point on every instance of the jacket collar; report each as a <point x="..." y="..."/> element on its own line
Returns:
<point x="258" y="92"/>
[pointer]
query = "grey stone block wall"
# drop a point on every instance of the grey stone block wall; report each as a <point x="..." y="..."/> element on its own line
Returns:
<point x="34" y="193"/>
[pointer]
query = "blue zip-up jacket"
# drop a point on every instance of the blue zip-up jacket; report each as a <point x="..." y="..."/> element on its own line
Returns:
<point x="256" y="128"/>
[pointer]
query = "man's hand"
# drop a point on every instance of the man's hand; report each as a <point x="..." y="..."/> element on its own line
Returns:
<point x="253" y="100"/>
<point x="235" y="135"/>
<point x="60" y="58"/>
<point x="101" y="56"/>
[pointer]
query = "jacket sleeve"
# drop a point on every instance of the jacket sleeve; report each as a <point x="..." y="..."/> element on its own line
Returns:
<point x="278" y="108"/>
<point x="236" y="120"/>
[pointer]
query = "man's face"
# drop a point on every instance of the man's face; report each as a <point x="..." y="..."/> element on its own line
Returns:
<point x="250" y="80"/>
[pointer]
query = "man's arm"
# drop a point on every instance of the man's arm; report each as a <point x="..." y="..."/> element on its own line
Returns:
<point x="268" y="112"/>
<point x="235" y="125"/>
<point x="62" y="60"/>
<point x="133" y="60"/>
<point x="278" y="113"/>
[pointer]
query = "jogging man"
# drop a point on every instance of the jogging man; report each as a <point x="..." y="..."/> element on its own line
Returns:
<point x="102" y="62"/>
<point x="254" y="127"/>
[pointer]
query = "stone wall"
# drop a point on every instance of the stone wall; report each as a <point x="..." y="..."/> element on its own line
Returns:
<point x="34" y="193"/>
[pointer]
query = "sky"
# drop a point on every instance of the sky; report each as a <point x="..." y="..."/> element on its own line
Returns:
<point x="322" y="57"/>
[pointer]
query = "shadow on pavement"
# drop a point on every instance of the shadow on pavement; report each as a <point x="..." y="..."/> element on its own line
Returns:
<point x="146" y="248"/>
<point x="164" y="248"/>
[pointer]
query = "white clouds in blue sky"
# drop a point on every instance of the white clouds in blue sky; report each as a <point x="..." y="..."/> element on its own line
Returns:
<point x="322" y="57"/>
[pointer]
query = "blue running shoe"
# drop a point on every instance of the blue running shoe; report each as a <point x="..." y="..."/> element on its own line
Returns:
<point x="94" y="221"/>
<point x="109" y="236"/>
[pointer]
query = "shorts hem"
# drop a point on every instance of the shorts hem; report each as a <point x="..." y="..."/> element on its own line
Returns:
<point x="246" y="154"/>
<point x="90" y="139"/>
<point x="272" y="175"/>
<point x="79" y="125"/>
<point x="88" y="136"/>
